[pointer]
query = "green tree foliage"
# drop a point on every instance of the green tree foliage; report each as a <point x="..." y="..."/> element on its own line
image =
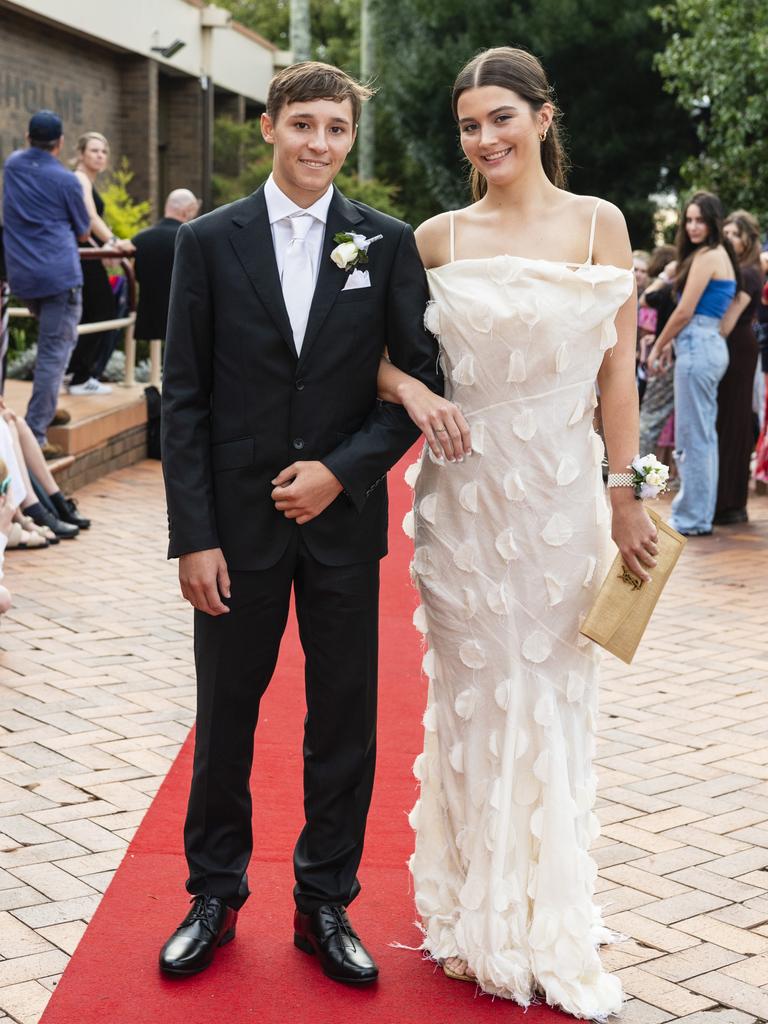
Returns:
<point x="123" y="214"/>
<point x="625" y="136"/>
<point x="243" y="143"/>
<point x="716" y="64"/>
<point x="335" y="26"/>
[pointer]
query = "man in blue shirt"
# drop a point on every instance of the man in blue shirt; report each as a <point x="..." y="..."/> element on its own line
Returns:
<point x="44" y="215"/>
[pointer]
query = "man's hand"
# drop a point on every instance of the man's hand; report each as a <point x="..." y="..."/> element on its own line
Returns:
<point x="304" y="490"/>
<point x="204" y="580"/>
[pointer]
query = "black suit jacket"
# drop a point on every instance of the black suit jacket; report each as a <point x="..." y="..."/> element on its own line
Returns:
<point x="239" y="406"/>
<point x="154" y="265"/>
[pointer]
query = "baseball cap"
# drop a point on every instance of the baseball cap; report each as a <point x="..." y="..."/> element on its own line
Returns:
<point x="45" y="126"/>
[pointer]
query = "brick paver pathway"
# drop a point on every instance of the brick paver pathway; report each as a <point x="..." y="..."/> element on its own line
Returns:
<point x="96" y="697"/>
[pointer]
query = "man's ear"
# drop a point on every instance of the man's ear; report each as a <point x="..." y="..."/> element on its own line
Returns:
<point x="267" y="129"/>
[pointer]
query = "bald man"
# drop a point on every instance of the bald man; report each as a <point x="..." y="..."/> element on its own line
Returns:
<point x="154" y="263"/>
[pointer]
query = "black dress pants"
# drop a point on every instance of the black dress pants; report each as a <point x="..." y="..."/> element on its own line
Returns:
<point x="235" y="655"/>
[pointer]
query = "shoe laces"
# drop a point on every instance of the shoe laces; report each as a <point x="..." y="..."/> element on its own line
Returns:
<point x="203" y="910"/>
<point x="342" y="922"/>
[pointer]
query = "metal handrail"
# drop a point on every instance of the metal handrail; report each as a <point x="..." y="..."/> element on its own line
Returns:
<point x="108" y="252"/>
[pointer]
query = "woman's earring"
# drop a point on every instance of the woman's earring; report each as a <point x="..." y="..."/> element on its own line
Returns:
<point x="543" y="135"/>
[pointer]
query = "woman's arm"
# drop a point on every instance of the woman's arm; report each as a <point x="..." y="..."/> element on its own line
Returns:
<point x="703" y="269"/>
<point x="739" y="303"/>
<point x="99" y="227"/>
<point x="441" y="422"/>
<point x="632" y="530"/>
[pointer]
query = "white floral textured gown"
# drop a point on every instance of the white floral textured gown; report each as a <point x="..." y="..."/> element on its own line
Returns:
<point x="510" y="548"/>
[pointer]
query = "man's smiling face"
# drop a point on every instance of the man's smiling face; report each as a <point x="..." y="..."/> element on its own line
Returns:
<point x="311" y="140"/>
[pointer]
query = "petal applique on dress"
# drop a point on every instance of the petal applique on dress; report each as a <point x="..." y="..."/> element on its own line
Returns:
<point x="537" y="822"/>
<point x="465" y="702"/>
<point x="513" y="486"/>
<point x="516" y="373"/>
<point x="544" y="711"/>
<point x="480" y="317"/>
<point x="464" y="371"/>
<point x="608" y="335"/>
<point x="456" y="757"/>
<point x="472" y="654"/>
<point x="496" y="599"/>
<point x="409" y="528"/>
<point x="420" y="767"/>
<point x="567" y="471"/>
<point x="493" y="745"/>
<point x="422" y="561"/>
<point x="537" y="647"/>
<point x="524" y="424"/>
<point x="469" y="601"/>
<point x="541" y="767"/>
<point x="429" y="664"/>
<point x="522" y="742"/>
<point x="411" y="474"/>
<point x="589" y="575"/>
<point x="465" y="556"/>
<point x="428" y="507"/>
<point x="472" y="893"/>
<point x="578" y="413"/>
<point x="506" y="546"/>
<point x="420" y="619"/>
<point x="468" y="497"/>
<point x="598" y="448"/>
<point x="502" y="693"/>
<point x="429" y="719"/>
<point x="558" y="530"/>
<point x="574" y="690"/>
<point x="432" y="318"/>
<point x="562" y="357"/>
<point x="477" y="431"/>
<point x="525" y="790"/>
<point x="555" y="589"/>
<point x="502" y="269"/>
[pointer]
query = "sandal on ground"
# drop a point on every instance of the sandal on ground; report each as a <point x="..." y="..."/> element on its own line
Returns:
<point x="450" y="973"/>
<point x="29" y="524"/>
<point x="18" y="537"/>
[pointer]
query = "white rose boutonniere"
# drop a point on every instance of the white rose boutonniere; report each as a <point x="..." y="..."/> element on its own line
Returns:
<point x="352" y="249"/>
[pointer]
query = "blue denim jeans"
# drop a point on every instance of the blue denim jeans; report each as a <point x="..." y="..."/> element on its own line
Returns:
<point x="701" y="361"/>
<point x="58" y="316"/>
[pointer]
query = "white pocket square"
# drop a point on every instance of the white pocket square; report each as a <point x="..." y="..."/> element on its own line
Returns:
<point x="357" y="279"/>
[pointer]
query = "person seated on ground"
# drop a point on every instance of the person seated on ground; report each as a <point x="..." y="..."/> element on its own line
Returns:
<point x="6" y="518"/>
<point x="53" y="510"/>
<point x="154" y="264"/>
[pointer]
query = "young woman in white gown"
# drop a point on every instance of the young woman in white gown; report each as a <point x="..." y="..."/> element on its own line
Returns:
<point x="533" y="302"/>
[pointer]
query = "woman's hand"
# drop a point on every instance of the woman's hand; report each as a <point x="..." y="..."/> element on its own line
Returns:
<point x="441" y="422"/>
<point x="659" y="360"/>
<point x="634" y="534"/>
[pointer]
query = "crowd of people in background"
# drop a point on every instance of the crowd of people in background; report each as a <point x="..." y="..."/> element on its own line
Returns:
<point x="49" y="214"/>
<point x="703" y="400"/>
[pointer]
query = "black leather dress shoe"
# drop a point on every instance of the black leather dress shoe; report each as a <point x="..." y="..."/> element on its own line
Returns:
<point x="209" y="924"/>
<point x="328" y="933"/>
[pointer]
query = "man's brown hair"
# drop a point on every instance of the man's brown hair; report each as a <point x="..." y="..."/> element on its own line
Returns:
<point x="313" y="80"/>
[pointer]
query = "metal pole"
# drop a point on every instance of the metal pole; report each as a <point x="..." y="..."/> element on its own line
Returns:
<point x="366" y="140"/>
<point x="300" y="34"/>
<point x="206" y="84"/>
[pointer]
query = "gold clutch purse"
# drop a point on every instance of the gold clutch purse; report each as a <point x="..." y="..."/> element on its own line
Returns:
<point x="624" y="604"/>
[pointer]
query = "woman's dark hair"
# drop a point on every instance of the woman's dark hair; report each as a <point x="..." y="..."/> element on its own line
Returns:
<point x="712" y="214"/>
<point x="749" y="230"/>
<point x="660" y="257"/>
<point x="521" y="72"/>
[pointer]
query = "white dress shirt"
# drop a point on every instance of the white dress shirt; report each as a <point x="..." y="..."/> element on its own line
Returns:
<point x="279" y="207"/>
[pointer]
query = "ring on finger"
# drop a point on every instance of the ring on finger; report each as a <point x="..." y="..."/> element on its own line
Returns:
<point x="441" y="430"/>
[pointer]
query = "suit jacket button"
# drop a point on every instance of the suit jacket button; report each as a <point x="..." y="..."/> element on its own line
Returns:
<point x="299" y="385"/>
<point x="298" y="443"/>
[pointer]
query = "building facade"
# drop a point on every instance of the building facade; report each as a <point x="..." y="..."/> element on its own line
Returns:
<point x="94" y="64"/>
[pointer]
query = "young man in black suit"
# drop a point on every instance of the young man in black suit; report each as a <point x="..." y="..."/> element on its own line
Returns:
<point x="275" y="452"/>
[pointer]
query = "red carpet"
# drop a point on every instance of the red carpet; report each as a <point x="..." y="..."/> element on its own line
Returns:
<point x="260" y="977"/>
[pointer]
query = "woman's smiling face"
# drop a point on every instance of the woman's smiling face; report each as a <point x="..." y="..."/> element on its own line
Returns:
<point x="500" y="133"/>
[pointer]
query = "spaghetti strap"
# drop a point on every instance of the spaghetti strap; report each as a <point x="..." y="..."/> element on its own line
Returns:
<point x="452" y="236"/>
<point x="592" y="230"/>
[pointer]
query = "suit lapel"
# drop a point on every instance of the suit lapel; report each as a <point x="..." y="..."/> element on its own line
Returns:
<point x="253" y="245"/>
<point x="342" y="216"/>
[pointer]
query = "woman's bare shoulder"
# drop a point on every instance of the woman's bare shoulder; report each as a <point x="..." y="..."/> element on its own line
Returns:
<point x="433" y="240"/>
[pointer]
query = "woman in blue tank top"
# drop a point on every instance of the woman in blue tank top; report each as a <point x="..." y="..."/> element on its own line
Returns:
<point x="707" y="279"/>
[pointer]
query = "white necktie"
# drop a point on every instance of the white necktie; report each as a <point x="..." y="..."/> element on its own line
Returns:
<point x="298" y="276"/>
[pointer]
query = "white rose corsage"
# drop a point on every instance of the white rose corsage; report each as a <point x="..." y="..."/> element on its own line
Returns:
<point x="352" y="250"/>
<point x="650" y="476"/>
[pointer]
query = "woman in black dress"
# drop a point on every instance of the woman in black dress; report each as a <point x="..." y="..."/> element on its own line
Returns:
<point x="735" y="417"/>
<point x="98" y="300"/>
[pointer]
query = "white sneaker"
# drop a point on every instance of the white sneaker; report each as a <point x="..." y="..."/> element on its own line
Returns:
<point x="90" y="387"/>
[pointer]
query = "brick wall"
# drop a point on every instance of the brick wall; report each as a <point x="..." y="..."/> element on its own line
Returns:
<point x="184" y="126"/>
<point x="138" y="88"/>
<point x="42" y="67"/>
